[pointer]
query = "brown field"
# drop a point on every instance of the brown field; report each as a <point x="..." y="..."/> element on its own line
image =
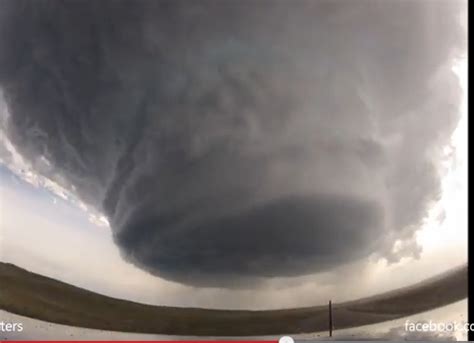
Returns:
<point x="36" y="296"/>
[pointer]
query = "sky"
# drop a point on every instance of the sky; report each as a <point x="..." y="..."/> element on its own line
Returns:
<point x="267" y="160"/>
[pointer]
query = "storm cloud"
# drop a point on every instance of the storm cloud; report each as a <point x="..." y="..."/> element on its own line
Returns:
<point x="227" y="141"/>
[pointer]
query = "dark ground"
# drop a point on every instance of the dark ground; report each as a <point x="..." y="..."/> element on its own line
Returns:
<point x="36" y="296"/>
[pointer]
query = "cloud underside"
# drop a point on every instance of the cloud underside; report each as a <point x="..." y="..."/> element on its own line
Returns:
<point x="237" y="141"/>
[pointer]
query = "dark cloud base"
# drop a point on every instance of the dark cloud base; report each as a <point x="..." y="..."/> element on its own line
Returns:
<point x="288" y="237"/>
<point x="231" y="141"/>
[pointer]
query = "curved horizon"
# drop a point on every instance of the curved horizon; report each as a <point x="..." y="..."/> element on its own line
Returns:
<point x="62" y="303"/>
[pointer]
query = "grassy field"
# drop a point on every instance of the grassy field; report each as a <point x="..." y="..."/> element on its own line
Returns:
<point x="36" y="296"/>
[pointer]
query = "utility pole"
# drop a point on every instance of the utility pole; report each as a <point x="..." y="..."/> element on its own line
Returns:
<point x="330" y="318"/>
